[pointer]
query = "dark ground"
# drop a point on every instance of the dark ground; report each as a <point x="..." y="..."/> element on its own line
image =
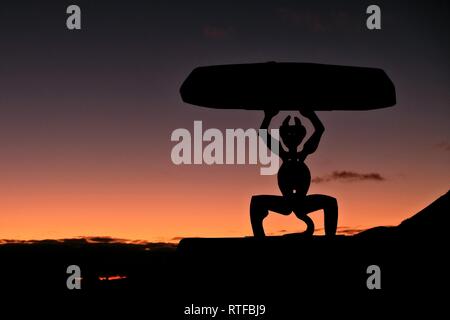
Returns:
<point x="292" y="275"/>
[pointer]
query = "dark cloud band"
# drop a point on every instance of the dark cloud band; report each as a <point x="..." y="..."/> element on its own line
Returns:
<point x="349" y="176"/>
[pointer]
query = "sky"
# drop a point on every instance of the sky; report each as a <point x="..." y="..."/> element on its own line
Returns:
<point x="86" y="116"/>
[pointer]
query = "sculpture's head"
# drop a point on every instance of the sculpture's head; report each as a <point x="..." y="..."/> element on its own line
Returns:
<point x="292" y="135"/>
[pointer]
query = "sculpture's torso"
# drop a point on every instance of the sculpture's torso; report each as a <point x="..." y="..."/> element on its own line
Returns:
<point x="294" y="177"/>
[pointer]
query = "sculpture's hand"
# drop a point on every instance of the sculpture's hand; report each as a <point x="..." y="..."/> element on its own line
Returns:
<point x="269" y="114"/>
<point x="307" y="113"/>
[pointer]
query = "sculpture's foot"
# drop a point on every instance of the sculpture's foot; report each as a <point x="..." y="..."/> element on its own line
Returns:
<point x="309" y="225"/>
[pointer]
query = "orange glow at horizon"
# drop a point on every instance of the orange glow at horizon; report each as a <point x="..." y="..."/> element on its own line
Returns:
<point x="130" y="191"/>
<point x="86" y="120"/>
<point x="200" y="205"/>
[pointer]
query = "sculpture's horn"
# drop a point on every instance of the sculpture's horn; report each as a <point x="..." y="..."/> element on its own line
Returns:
<point x="286" y="121"/>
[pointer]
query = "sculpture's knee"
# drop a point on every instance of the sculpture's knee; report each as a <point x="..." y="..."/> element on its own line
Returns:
<point x="332" y="203"/>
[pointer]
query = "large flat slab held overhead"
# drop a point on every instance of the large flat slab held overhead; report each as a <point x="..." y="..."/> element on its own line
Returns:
<point x="288" y="86"/>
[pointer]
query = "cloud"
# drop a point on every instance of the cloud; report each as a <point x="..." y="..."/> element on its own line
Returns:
<point x="94" y="241"/>
<point x="347" y="231"/>
<point x="216" y="33"/>
<point x="277" y="233"/>
<point x="349" y="176"/>
<point x="443" y="146"/>
<point x="104" y="240"/>
<point x="309" y="20"/>
<point x="314" y="21"/>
